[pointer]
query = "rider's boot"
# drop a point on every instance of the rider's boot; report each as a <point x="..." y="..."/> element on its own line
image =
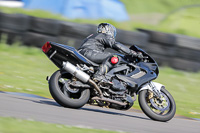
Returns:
<point x="100" y="74"/>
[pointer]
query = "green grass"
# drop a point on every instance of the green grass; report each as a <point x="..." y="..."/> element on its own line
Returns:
<point x="13" y="125"/>
<point x="170" y="16"/>
<point x="24" y="69"/>
<point x="152" y="6"/>
<point x="182" y="22"/>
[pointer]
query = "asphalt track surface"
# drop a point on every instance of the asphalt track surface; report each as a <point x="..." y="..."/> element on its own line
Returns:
<point x="47" y="110"/>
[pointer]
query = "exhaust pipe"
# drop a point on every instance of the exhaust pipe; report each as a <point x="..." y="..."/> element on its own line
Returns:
<point x="84" y="77"/>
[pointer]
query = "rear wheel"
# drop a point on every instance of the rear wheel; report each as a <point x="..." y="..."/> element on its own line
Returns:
<point x="64" y="94"/>
<point x="160" y="109"/>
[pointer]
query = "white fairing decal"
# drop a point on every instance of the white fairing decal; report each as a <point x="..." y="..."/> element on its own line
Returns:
<point x="147" y="86"/>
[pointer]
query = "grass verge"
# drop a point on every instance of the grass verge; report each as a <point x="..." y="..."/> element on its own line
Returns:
<point x="13" y="125"/>
<point x="24" y="69"/>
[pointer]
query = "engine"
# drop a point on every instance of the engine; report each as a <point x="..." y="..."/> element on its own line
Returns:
<point x="116" y="91"/>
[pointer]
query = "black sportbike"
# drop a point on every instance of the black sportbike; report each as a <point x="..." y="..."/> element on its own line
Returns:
<point x="73" y="84"/>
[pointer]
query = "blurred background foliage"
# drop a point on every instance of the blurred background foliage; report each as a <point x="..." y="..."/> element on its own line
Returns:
<point x="153" y="6"/>
<point x="170" y="16"/>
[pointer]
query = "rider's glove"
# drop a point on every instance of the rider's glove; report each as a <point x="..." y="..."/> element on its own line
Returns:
<point x="136" y="54"/>
<point x="140" y="55"/>
<point x="133" y="53"/>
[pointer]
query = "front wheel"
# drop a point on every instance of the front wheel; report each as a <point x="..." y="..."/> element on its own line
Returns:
<point x="64" y="94"/>
<point x="159" y="109"/>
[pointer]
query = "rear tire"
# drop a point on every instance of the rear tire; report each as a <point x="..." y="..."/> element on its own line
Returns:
<point x="150" y="111"/>
<point x="55" y="88"/>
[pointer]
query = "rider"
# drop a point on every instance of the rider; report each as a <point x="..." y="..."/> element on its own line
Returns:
<point x="94" y="45"/>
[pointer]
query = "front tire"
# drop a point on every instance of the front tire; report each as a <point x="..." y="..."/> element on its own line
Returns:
<point x="157" y="110"/>
<point x="64" y="97"/>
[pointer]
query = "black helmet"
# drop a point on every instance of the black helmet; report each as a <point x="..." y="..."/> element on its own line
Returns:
<point x="107" y="29"/>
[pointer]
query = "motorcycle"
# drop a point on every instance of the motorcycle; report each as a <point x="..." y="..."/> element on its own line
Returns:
<point x="73" y="85"/>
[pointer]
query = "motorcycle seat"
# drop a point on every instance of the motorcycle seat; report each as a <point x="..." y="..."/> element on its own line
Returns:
<point x="89" y="61"/>
<point x="75" y="53"/>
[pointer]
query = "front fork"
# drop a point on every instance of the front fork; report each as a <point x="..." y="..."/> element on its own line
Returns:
<point x="154" y="87"/>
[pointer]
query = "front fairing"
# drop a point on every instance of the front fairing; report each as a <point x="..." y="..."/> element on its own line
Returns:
<point x="151" y="64"/>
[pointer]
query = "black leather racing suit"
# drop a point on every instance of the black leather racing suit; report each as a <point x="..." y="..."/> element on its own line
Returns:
<point x="93" y="48"/>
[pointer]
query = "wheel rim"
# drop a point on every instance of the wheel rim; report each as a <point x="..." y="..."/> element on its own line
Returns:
<point x="159" y="106"/>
